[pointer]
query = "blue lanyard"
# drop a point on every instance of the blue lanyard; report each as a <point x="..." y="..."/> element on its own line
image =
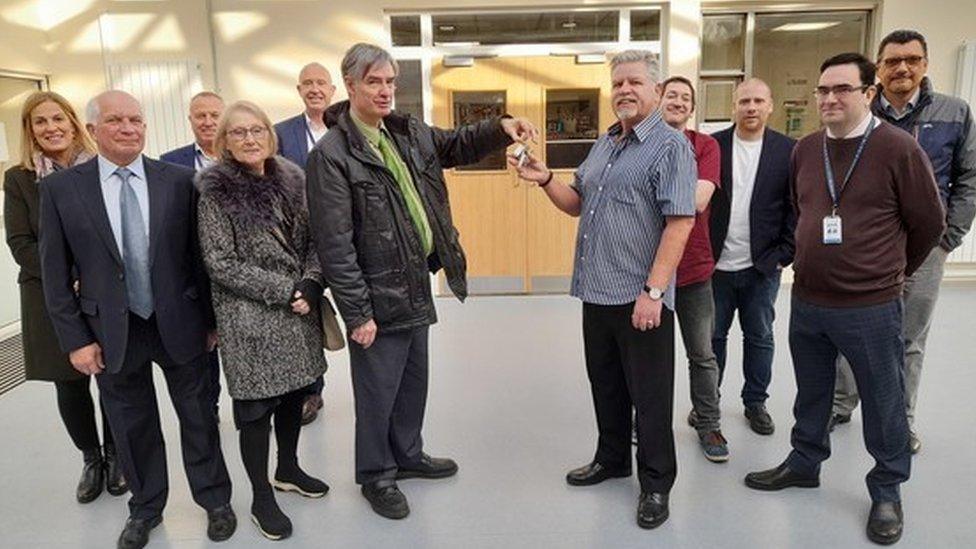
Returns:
<point x="831" y="182"/>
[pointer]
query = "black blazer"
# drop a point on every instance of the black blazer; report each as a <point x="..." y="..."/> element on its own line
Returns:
<point x="183" y="156"/>
<point x="75" y="231"/>
<point x="771" y="216"/>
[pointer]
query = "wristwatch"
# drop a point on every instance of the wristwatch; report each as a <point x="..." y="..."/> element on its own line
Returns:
<point x="654" y="293"/>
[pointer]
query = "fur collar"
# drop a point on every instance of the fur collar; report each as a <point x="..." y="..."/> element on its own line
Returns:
<point x="252" y="199"/>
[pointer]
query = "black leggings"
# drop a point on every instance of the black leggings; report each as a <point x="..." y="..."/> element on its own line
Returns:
<point x="254" y="438"/>
<point x="78" y="414"/>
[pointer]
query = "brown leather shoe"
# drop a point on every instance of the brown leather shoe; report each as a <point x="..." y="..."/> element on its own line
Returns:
<point x="310" y="409"/>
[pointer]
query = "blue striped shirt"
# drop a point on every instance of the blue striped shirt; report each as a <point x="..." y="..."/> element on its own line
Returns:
<point x="628" y="187"/>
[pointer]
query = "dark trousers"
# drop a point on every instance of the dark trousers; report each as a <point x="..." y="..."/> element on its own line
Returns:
<point x="77" y="409"/>
<point x="630" y="369"/>
<point x="871" y="340"/>
<point x="129" y="397"/>
<point x="213" y="363"/>
<point x="389" y="383"/>
<point x="753" y="294"/>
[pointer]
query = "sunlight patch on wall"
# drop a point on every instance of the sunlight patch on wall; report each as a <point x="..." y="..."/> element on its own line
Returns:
<point x="234" y="25"/>
<point x="44" y="15"/>
<point x="165" y="36"/>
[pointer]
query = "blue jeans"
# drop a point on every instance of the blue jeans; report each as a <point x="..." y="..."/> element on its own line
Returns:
<point x="870" y="338"/>
<point x="753" y="294"/>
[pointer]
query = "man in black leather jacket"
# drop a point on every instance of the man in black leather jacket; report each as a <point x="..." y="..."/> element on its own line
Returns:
<point x="381" y="220"/>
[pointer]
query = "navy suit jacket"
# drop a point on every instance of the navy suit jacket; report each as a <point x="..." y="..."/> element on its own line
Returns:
<point x="183" y="156"/>
<point x="293" y="139"/>
<point x="771" y="216"/>
<point x="76" y="233"/>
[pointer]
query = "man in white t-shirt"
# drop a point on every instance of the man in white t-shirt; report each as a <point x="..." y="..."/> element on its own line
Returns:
<point x="752" y="226"/>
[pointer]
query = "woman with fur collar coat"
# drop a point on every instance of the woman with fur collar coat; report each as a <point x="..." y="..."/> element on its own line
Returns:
<point x="266" y="284"/>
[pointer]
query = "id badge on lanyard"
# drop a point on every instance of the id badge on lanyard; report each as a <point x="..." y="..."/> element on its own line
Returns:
<point x="833" y="229"/>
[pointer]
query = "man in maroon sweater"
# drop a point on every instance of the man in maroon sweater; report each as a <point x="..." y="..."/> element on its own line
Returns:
<point x="868" y="214"/>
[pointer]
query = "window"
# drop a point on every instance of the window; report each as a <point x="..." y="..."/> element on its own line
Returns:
<point x="526" y="27"/>
<point x="572" y="126"/>
<point x="723" y="42"/>
<point x="409" y="90"/>
<point x="645" y="25"/>
<point x="405" y="30"/>
<point x="473" y="107"/>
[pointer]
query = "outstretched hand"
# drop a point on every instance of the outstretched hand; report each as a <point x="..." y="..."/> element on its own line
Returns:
<point x="520" y="129"/>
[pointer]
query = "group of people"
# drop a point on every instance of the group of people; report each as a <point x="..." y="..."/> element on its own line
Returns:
<point x="226" y="246"/>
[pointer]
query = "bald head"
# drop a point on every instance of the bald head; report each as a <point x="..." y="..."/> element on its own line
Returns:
<point x="316" y="89"/>
<point x="116" y="122"/>
<point x="752" y="105"/>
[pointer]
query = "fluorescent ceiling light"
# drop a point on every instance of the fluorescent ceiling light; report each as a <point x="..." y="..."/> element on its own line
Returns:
<point x="806" y="27"/>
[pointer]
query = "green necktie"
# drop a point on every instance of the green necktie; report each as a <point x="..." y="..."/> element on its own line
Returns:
<point x="402" y="175"/>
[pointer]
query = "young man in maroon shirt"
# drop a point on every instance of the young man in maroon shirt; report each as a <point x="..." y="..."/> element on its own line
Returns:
<point x="693" y="300"/>
<point x="868" y="214"/>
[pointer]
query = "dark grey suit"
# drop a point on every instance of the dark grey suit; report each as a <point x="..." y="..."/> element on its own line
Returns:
<point x="76" y="234"/>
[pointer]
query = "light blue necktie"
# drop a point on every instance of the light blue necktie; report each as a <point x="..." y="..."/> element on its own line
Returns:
<point x="135" y="249"/>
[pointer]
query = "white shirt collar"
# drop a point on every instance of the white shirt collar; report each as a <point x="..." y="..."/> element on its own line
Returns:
<point x="106" y="168"/>
<point x="858" y="130"/>
<point x="198" y="149"/>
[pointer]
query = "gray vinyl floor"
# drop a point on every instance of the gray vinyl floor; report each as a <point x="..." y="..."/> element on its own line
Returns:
<point x="510" y="401"/>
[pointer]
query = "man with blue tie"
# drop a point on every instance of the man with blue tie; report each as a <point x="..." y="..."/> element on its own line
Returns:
<point x="296" y="137"/>
<point x="298" y="134"/>
<point x="206" y="109"/>
<point x="124" y="226"/>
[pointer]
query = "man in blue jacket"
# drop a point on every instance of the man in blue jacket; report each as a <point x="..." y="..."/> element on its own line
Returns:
<point x="296" y="137"/>
<point x="206" y="109"/>
<point x="751" y="228"/>
<point x="944" y="127"/>
<point x="298" y="134"/>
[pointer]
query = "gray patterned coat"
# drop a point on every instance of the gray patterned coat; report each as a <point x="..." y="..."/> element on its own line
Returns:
<point x="266" y="349"/>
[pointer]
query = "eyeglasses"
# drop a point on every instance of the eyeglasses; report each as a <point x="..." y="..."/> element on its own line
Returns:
<point x="240" y="134"/>
<point x="894" y="62"/>
<point x="841" y="90"/>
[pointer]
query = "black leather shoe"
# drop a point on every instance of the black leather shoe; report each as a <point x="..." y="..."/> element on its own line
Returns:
<point x="386" y="499"/>
<point x="837" y="419"/>
<point x="221" y="523"/>
<point x="92" y="477"/>
<point x="652" y="509"/>
<point x="594" y="473"/>
<point x="759" y="419"/>
<point x="267" y="516"/>
<point x="779" y="478"/>
<point x="429" y="467"/>
<point x="135" y="534"/>
<point x="115" y="483"/>
<point x="885" y="522"/>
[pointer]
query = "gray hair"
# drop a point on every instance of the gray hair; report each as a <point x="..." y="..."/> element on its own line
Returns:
<point x="649" y="59"/>
<point x="362" y="57"/>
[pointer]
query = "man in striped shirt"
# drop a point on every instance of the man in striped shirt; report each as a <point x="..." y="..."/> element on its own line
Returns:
<point x="635" y="197"/>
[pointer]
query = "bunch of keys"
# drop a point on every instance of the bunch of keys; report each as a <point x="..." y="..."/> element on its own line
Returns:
<point x="521" y="153"/>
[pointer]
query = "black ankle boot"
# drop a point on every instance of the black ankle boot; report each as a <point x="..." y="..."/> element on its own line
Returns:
<point x="92" y="477"/>
<point x="267" y="516"/>
<point x="115" y="483"/>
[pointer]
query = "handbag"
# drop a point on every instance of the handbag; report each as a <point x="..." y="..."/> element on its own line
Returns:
<point x="332" y="338"/>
